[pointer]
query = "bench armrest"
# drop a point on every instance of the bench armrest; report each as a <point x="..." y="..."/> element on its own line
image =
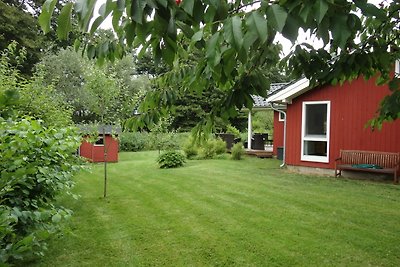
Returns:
<point x="337" y="159"/>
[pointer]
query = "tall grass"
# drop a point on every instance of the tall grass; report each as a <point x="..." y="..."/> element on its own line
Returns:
<point x="225" y="212"/>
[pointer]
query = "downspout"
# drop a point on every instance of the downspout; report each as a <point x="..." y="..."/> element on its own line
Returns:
<point x="249" y="130"/>
<point x="284" y="133"/>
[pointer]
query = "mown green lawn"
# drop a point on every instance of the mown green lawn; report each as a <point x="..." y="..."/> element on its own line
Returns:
<point x="226" y="213"/>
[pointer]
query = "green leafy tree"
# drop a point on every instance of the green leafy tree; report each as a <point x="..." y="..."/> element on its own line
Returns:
<point x="20" y="26"/>
<point x="22" y="96"/>
<point x="68" y="72"/>
<point x="236" y="39"/>
<point x="103" y="92"/>
<point x="37" y="162"/>
<point x="65" y="71"/>
<point x="18" y="22"/>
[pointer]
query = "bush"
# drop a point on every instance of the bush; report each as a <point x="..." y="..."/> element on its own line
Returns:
<point x="139" y="141"/>
<point x="237" y="151"/>
<point x="171" y="159"/>
<point x="220" y="146"/>
<point x="133" y="141"/>
<point x="190" y="149"/>
<point x="37" y="164"/>
<point x="211" y="148"/>
<point x="162" y="141"/>
<point x="233" y="130"/>
<point x="207" y="150"/>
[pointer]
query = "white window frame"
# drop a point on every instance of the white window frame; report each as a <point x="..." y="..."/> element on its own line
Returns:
<point x="323" y="159"/>
<point x="281" y="117"/>
<point x="98" y="138"/>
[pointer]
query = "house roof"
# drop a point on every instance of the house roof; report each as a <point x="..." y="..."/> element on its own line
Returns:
<point x="261" y="102"/>
<point x="108" y="129"/>
<point x="287" y="94"/>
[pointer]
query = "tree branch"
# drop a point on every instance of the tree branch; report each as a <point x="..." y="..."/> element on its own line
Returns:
<point x="236" y="10"/>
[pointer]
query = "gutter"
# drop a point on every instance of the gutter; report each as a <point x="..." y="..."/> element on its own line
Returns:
<point x="284" y="133"/>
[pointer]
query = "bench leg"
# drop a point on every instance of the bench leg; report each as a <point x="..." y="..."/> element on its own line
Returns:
<point x="338" y="172"/>
<point x="396" y="179"/>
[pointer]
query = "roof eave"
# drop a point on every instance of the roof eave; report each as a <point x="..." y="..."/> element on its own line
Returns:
<point x="286" y="95"/>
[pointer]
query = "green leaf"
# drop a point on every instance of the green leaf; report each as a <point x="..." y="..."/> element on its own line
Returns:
<point x="188" y="5"/>
<point x="168" y="53"/>
<point x="394" y="84"/>
<point x="121" y="5"/>
<point x="129" y="33"/>
<point x="340" y="31"/>
<point x="77" y="44"/>
<point x="213" y="54"/>
<point x="210" y="14"/>
<point x="171" y="30"/>
<point x="96" y="24"/>
<point x="321" y="7"/>
<point x="186" y="29"/>
<point x="249" y="38"/>
<point x="105" y="9"/>
<point x="64" y="22"/>
<point x="233" y="32"/>
<point x="45" y="16"/>
<point x="91" y="51"/>
<point x="164" y="3"/>
<point x="229" y="61"/>
<point x="277" y="17"/>
<point x="323" y="31"/>
<point x="291" y="29"/>
<point x="141" y="32"/>
<point x="370" y="10"/>
<point x="56" y="218"/>
<point x="215" y="3"/>
<point x="137" y="8"/>
<point x="197" y="36"/>
<point x="115" y="20"/>
<point x="258" y="24"/>
<point x="305" y="12"/>
<point x="84" y="9"/>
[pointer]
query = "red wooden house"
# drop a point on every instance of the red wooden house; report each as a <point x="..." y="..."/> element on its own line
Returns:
<point x="321" y="121"/>
<point x="94" y="152"/>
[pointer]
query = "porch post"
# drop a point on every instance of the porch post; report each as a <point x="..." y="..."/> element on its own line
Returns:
<point x="249" y="130"/>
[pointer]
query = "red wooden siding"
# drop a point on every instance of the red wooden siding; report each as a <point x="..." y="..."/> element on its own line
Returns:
<point x="352" y="105"/>
<point x="96" y="153"/>
<point x="278" y="133"/>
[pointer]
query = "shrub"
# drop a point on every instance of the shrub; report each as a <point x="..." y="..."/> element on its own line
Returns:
<point x="171" y="159"/>
<point x="37" y="164"/>
<point x="233" y="130"/>
<point x="237" y="151"/>
<point x="133" y="141"/>
<point x="220" y="146"/>
<point x="190" y="148"/>
<point x="207" y="150"/>
<point x="139" y="141"/>
<point x="162" y="141"/>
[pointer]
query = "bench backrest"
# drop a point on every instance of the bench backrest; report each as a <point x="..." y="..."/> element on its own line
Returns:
<point x="383" y="159"/>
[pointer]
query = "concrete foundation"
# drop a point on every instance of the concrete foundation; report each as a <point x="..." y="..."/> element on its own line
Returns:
<point x="345" y="174"/>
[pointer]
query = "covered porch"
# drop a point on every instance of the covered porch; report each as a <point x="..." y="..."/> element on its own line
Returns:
<point x="261" y="144"/>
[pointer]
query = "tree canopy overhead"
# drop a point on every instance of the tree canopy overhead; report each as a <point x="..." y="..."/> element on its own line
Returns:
<point x="236" y="37"/>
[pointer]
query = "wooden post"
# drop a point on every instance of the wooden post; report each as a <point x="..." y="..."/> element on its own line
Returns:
<point x="105" y="161"/>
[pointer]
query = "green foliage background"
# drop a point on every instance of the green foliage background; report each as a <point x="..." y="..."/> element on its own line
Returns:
<point x="37" y="149"/>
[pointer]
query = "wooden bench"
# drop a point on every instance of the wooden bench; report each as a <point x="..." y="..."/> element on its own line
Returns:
<point x="389" y="162"/>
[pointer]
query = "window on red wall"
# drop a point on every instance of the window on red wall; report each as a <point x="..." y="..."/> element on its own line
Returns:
<point x="99" y="141"/>
<point x="281" y="116"/>
<point x="315" y="131"/>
